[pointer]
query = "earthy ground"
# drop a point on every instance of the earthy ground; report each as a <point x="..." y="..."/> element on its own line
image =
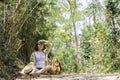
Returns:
<point x="110" y="76"/>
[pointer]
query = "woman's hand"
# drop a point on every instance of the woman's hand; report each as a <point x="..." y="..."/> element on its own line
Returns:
<point x="43" y="41"/>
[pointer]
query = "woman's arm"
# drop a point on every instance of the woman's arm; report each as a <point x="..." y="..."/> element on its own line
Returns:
<point x="49" y="46"/>
<point x="48" y="49"/>
<point x="32" y="58"/>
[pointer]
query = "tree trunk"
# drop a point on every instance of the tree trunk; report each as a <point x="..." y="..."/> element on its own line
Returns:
<point x="75" y="34"/>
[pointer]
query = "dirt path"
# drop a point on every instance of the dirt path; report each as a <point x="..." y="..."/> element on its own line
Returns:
<point x="114" y="76"/>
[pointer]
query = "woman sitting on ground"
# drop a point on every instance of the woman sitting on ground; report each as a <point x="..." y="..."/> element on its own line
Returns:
<point x="38" y="61"/>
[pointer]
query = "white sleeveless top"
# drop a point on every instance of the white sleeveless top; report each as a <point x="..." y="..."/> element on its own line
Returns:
<point x="40" y="59"/>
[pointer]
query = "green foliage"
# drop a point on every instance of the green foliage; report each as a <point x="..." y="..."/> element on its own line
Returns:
<point x="27" y="32"/>
<point x="68" y="59"/>
<point x="94" y="45"/>
<point x="95" y="50"/>
<point x="112" y="10"/>
<point x="7" y="64"/>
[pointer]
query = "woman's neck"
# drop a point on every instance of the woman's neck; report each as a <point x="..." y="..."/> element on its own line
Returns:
<point x="39" y="50"/>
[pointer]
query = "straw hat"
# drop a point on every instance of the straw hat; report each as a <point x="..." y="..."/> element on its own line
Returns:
<point x="28" y="69"/>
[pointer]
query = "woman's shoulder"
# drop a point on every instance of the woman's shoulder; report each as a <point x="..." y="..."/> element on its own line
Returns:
<point x="33" y="53"/>
<point x="36" y="52"/>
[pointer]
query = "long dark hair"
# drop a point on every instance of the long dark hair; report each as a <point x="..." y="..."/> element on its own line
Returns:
<point x="36" y="45"/>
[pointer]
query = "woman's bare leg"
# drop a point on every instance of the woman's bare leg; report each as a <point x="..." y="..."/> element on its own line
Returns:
<point x="44" y="70"/>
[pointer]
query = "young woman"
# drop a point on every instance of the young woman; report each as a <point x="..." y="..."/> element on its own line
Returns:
<point x="40" y="55"/>
<point x="38" y="61"/>
<point x="38" y="58"/>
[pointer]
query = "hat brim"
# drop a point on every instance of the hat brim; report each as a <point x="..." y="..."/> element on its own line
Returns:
<point x="28" y="70"/>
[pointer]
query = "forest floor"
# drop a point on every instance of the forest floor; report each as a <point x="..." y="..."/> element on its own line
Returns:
<point x="89" y="76"/>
